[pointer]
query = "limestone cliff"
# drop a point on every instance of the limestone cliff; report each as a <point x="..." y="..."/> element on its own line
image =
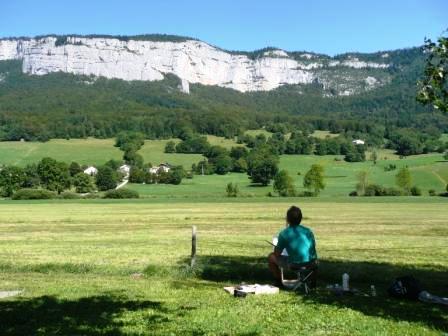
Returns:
<point x="191" y="60"/>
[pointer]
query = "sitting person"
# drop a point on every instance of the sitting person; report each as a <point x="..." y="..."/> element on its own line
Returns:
<point x="299" y="242"/>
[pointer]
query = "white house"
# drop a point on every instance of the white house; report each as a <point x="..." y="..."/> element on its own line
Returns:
<point x="358" y="142"/>
<point x="91" y="170"/>
<point x="161" y="168"/>
<point x="125" y="169"/>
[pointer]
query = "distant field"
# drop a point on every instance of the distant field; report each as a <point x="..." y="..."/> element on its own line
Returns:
<point x="429" y="171"/>
<point x="323" y="134"/>
<point x="88" y="151"/>
<point x="96" y="151"/>
<point x="259" y="131"/>
<point x="98" y="267"/>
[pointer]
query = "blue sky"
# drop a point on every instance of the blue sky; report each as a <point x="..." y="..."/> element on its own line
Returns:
<point x="329" y="27"/>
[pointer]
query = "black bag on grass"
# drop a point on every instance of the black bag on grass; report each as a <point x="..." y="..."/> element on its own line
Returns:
<point x="406" y="287"/>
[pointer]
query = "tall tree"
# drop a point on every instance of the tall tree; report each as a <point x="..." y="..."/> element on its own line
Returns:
<point x="403" y="179"/>
<point x="374" y="156"/>
<point x="74" y="168"/>
<point x="11" y="179"/>
<point x="434" y="85"/>
<point x="106" y="178"/>
<point x="54" y="175"/>
<point x="283" y="184"/>
<point x="363" y="182"/>
<point x="83" y="183"/>
<point x="262" y="165"/>
<point x="314" y="179"/>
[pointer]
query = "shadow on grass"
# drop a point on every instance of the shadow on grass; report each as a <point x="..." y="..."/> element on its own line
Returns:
<point x="237" y="269"/>
<point x="96" y="315"/>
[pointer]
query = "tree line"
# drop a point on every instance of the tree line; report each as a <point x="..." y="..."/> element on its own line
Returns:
<point x="57" y="176"/>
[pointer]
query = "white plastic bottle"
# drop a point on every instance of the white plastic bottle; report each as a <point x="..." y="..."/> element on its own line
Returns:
<point x="345" y="282"/>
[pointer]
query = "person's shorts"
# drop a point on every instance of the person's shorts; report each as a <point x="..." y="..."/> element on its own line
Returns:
<point x="282" y="261"/>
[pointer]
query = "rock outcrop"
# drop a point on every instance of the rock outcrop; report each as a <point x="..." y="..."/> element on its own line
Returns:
<point x="191" y="60"/>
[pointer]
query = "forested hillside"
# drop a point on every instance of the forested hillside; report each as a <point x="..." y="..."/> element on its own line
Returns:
<point x="68" y="106"/>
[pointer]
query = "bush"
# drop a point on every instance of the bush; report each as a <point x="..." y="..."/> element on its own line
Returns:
<point x="33" y="194"/>
<point x="353" y="193"/>
<point x="431" y="192"/>
<point x="416" y="191"/>
<point x="392" y="192"/>
<point x="390" y="167"/>
<point x="121" y="193"/>
<point x="232" y="190"/>
<point x="377" y="190"/>
<point x="69" y="195"/>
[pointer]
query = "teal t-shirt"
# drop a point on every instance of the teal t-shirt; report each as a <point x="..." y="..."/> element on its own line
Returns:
<point x="299" y="243"/>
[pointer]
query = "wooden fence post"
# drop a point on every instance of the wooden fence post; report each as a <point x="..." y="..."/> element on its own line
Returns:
<point x="193" y="246"/>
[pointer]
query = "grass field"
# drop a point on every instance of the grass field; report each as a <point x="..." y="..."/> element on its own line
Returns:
<point x="75" y="261"/>
<point x="428" y="172"/>
<point x="84" y="151"/>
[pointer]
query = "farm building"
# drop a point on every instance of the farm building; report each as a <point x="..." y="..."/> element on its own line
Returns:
<point x="161" y="168"/>
<point x="358" y="142"/>
<point x="91" y="170"/>
<point x="125" y="169"/>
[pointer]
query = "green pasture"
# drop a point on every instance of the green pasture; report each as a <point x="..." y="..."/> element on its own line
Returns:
<point x="98" y="267"/>
<point x="84" y="151"/>
<point x="428" y="172"/>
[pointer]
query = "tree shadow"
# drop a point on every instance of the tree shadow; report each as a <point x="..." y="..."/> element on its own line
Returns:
<point x="90" y="316"/>
<point x="237" y="269"/>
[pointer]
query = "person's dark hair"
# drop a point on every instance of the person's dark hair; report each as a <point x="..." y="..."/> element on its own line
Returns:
<point x="294" y="216"/>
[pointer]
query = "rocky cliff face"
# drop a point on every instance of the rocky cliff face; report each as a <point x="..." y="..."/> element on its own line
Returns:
<point x="192" y="61"/>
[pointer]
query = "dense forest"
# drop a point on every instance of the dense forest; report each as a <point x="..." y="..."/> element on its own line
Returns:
<point x="67" y="106"/>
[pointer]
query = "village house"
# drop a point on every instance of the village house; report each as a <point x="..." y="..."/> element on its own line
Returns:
<point x="358" y="142"/>
<point x="125" y="169"/>
<point x="91" y="170"/>
<point x="161" y="168"/>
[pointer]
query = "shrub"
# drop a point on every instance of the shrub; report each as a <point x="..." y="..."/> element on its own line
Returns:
<point x="373" y="190"/>
<point x="431" y="192"/>
<point x="392" y="192"/>
<point x="416" y="191"/>
<point x="170" y="147"/>
<point x="353" y="193"/>
<point x="390" y="167"/>
<point x="33" y="194"/>
<point x="121" y="193"/>
<point x="232" y="189"/>
<point x="377" y="190"/>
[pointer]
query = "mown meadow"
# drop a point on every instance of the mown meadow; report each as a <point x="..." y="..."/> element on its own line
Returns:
<point x="97" y="267"/>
